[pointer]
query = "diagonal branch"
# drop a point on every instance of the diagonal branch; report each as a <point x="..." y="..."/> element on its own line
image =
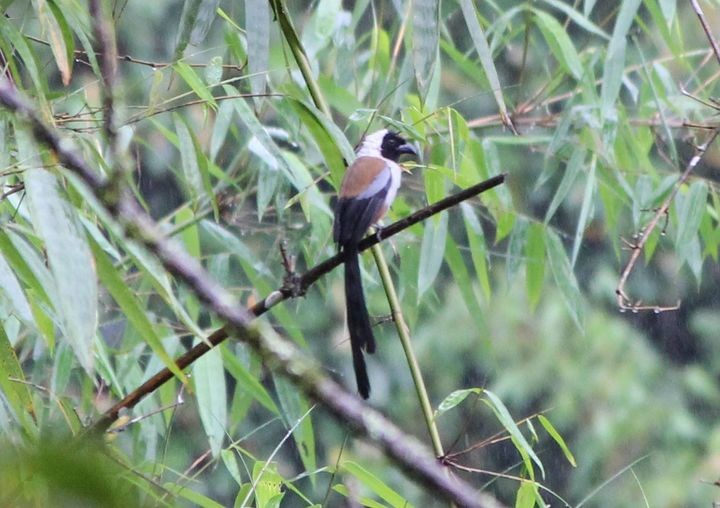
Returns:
<point x="283" y="356"/>
<point x="623" y="300"/>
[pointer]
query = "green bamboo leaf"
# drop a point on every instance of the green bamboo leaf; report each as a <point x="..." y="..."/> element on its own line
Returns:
<point x="559" y="42"/>
<point x="69" y="257"/>
<point x="330" y="140"/>
<point x="58" y="33"/>
<point x="526" y="495"/>
<point x="483" y="50"/>
<point x="585" y="211"/>
<point x="668" y="8"/>
<point x="195" y="498"/>
<point x="572" y="170"/>
<point x="223" y="121"/>
<point x="425" y="37"/>
<point x="14" y="391"/>
<point x="464" y="281"/>
<point x="209" y="377"/>
<point x="564" y="276"/>
<point x="535" y="263"/>
<point x="248" y="381"/>
<point x="257" y="32"/>
<point x="188" y="18"/>
<point x="375" y="484"/>
<point x="455" y="399"/>
<point x="690" y="210"/>
<point x="268" y="485"/>
<point x="321" y="27"/>
<point x="214" y="71"/>
<point x="17" y="43"/>
<point x="515" y="248"/>
<point x="203" y="21"/>
<point x="558" y="439"/>
<point x="10" y="288"/>
<point x="615" y="57"/>
<point x="188" y="157"/>
<point x="432" y="252"/>
<point x="230" y="461"/>
<point x="132" y="310"/>
<point x="295" y="409"/>
<point x="196" y="84"/>
<point x="25" y="266"/>
<point x="478" y="249"/>
<point x="262" y="144"/>
<point x="579" y="19"/>
<point x="503" y="416"/>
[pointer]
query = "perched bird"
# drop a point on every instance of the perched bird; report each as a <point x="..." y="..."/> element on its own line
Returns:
<point x="368" y="188"/>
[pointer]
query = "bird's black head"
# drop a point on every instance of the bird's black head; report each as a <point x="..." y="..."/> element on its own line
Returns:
<point x="394" y="145"/>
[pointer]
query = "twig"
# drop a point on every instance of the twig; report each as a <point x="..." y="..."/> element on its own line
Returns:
<point x="105" y="40"/>
<point x="706" y="27"/>
<point x="623" y="300"/>
<point x="283" y="356"/>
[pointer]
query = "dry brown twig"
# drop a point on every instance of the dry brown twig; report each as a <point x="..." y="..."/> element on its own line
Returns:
<point x="623" y="300"/>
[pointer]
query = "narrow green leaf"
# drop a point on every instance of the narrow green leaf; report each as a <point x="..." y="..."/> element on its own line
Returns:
<point x="132" y="310"/>
<point x="425" y="37"/>
<point x="585" y="211"/>
<point x="564" y="276"/>
<point x="375" y="484"/>
<point x="214" y="71"/>
<point x="525" y="496"/>
<point x="203" y="21"/>
<point x="455" y="399"/>
<point x="516" y="246"/>
<point x="58" y="33"/>
<point x="464" y="281"/>
<point x="483" y="50"/>
<point x="69" y="257"/>
<point x="559" y="42"/>
<point x="558" y="439"/>
<point x="257" y="30"/>
<point x="268" y="485"/>
<point x="228" y="458"/>
<point x="478" y="249"/>
<point x="248" y="381"/>
<point x="209" y="377"/>
<point x="195" y="498"/>
<point x="572" y="170"/>
<point x="580" y="20"/>
<point x="432" y="251"/>
<point x="188" y="157"/>
<point x="19" y="44"/>
<point x="615" y="57"/>
<point x="10" y="288"/>
<point x="223" y="121"/>
<point x="295" y="409"/>
<point x="535" y="263"/>
<point x="264" y="145"/>
<point x="15" y="392"/>
<point x="196" y="84"/>
<point x="690" y="210"/>
<point x="188" y="17"/>
<point x="330" y="140"/>
<point x="503" y="416"/>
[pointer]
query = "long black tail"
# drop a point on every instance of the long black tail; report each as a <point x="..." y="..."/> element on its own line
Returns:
<point x="361" y="335"/>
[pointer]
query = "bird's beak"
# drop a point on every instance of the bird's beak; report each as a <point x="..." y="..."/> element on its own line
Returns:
<point x="409" y="149"/>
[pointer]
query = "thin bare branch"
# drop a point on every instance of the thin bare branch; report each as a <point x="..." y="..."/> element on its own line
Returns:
<point x="623" y="300"/>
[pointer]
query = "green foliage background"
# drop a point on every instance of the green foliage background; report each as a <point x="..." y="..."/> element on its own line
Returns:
<point x="513" y="293"/>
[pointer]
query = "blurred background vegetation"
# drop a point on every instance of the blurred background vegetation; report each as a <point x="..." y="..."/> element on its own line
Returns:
<point x="513" y="292"/>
